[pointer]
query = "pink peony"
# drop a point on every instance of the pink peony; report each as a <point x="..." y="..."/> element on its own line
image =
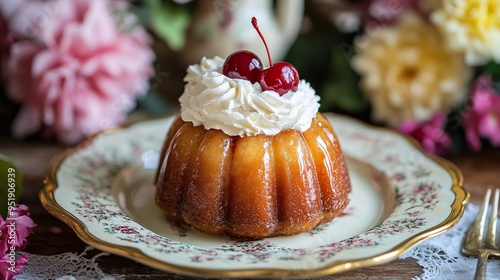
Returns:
<point x="431" y="134"/>
<point x="82" y="69"/>
<point x="482" y="118"/>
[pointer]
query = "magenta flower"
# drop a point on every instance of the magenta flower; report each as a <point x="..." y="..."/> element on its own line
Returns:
<point x="431" y="134"/>
<point x="82" y="69"/>
<point x="14" y="231"/>
<point x="4" y="245"/>
<point x="482" y="118"/>
<point x="23" y="226"/>
<point x="386" y="12"/>
<point x="10" y="268"/>
<point x="20" y="210"/>
<point x="18" y="221"/>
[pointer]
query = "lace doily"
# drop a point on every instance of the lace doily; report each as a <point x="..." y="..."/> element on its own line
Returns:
<point x="440" y="256"/>
<point x="67" y="266"/>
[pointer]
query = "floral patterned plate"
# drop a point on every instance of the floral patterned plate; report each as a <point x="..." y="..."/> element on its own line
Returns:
<point x="401" y="196"/>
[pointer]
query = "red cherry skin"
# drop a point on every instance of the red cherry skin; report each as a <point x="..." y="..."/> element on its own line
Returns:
<point x="243" y="65"/>
<point x="280" y="77"/>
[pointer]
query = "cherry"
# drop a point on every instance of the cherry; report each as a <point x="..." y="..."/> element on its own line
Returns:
<point x="280" y="77"/>
<point x="243" y="65"/>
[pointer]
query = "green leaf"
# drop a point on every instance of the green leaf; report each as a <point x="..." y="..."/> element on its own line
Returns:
<point x="493" y="69"/>
<point x="343" y="96"/>
<point x="10" y="185"/>
<point x="152" y="103"/>
<point x="342" y="89"/>
<point x="169" y="22"/>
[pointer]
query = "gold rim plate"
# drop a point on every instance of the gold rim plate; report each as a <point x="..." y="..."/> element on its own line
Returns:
<point x="430" y="200"/>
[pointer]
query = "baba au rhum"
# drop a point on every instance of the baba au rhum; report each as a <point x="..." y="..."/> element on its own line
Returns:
<point x="246" y="160"/>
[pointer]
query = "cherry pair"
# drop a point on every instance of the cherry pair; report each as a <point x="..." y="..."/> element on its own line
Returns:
<point x="280" y="77"/>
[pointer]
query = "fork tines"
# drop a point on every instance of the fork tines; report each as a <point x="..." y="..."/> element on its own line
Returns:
<point x="492" y="223"/>
<point x="475" y="242"/>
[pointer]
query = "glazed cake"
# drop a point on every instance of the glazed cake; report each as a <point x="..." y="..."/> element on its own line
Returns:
<point x="246" y="162"/>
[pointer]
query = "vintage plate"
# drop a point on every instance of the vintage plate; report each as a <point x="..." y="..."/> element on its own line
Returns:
<point x="401" y="196"/>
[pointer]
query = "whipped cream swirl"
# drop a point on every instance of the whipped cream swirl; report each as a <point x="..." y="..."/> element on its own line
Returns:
<point x="240" y="108"/>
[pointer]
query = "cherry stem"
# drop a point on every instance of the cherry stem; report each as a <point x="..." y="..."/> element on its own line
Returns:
<point x="254" y="23"/>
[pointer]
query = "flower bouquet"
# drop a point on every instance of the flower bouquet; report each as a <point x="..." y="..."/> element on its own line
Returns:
<point x="425" y="68"/>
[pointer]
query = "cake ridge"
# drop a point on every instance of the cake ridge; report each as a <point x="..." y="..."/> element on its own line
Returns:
<point x="253" y="186"/>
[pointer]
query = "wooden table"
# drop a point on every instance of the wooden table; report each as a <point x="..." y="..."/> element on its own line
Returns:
<point x="52" y="236"/>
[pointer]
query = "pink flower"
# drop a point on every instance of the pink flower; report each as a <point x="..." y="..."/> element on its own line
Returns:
<point x="10" y="268"/>
<point x="414" y="214"/>
<point x="127" y="230"/>
<point x="431" y="134"/>
<point x="14" y="231"/>
<point x="4" y="245"/>
<point x="23" y="226"/>
<point x="386" y="12"/>
<point x="20" y="210"/>
<point x="482" y="118"/>
<point x="82" y="69"/>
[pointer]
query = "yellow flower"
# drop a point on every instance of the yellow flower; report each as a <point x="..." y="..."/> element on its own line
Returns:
<point x="406" y="73"/>
<point x="471" y="26"/>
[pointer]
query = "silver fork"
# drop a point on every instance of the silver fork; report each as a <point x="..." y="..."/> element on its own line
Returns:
<point x="474" y="244"/>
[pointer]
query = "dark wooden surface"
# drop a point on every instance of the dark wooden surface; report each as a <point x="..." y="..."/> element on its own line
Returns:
<point x="51" y="236"/>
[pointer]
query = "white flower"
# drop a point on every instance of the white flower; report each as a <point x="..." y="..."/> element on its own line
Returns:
<point x="471" y="26"/>
<point x="406" y="73"/>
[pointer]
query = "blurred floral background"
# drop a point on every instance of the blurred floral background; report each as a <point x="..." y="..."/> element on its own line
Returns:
<point x="427" y="68"/>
